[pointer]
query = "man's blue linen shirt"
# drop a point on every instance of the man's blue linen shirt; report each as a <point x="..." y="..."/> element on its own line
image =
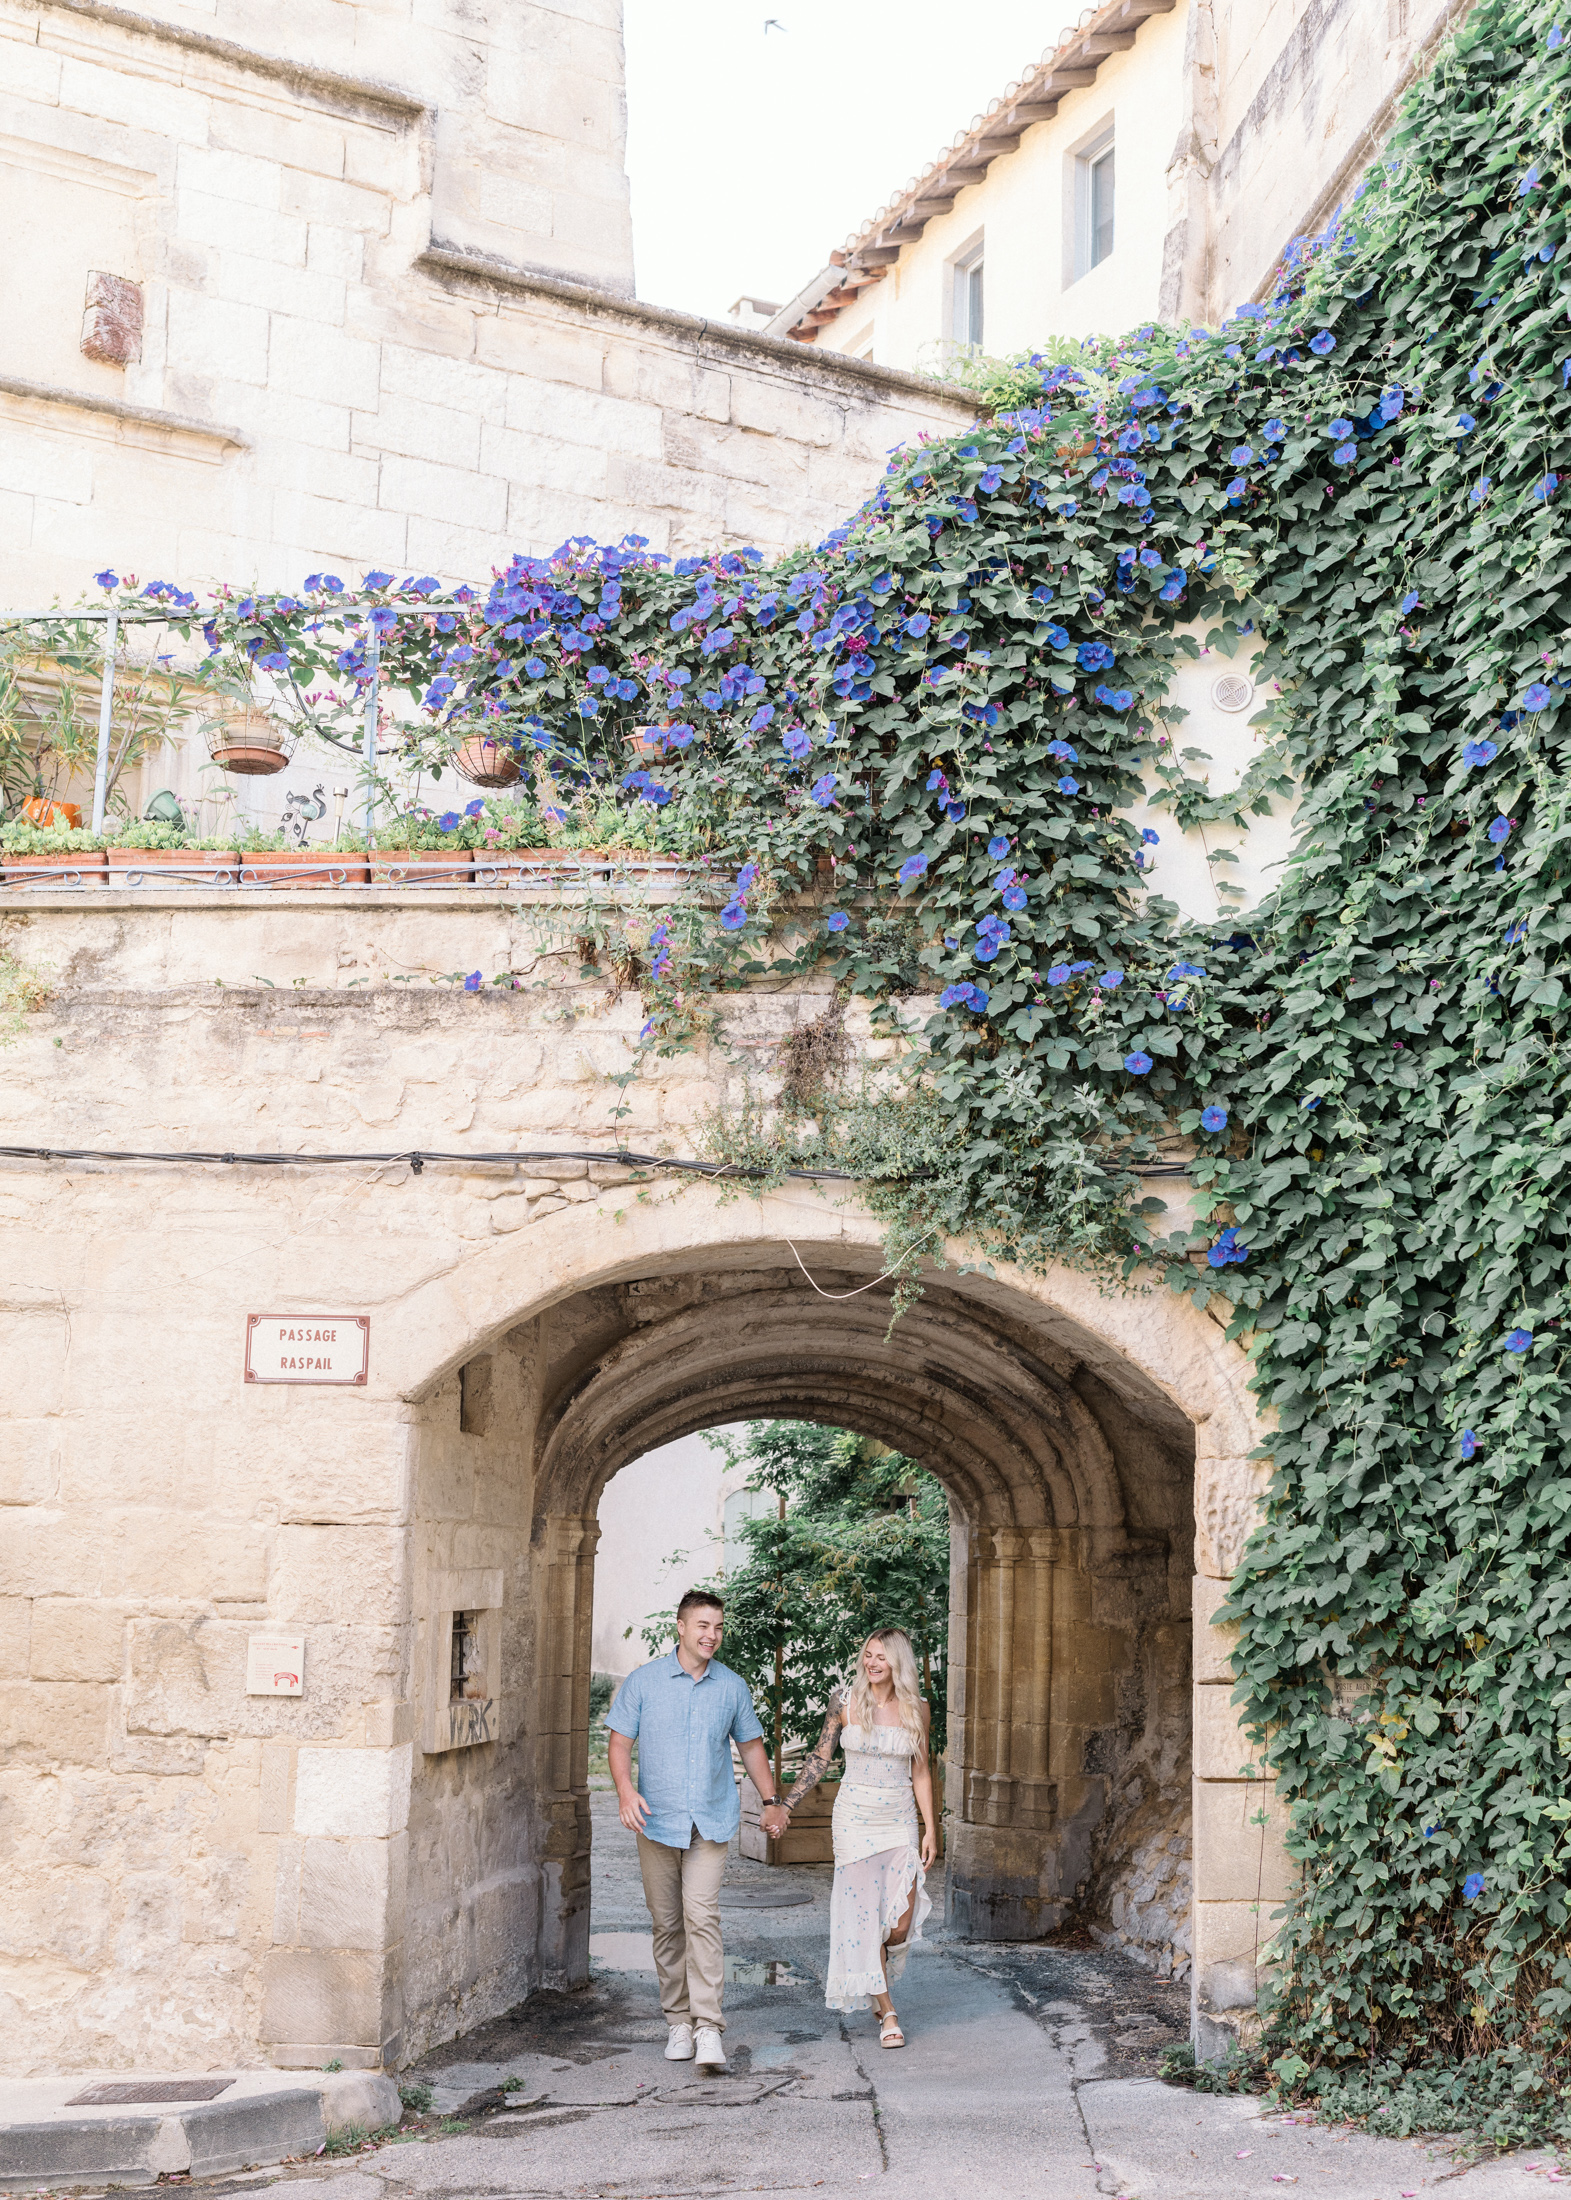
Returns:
<point x="682" y="1728"/>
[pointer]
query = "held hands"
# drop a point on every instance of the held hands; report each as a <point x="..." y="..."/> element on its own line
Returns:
<point x="774" y="1818"/>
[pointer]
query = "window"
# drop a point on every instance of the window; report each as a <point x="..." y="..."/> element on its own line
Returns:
<point x="1094" y="179"/>
<point x="739" y="1506"/>
<point x="965" y="321"/>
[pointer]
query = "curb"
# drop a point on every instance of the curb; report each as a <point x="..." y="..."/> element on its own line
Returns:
<point x="47" y="2138"/>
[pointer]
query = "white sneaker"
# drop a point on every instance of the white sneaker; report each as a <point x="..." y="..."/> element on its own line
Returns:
<point x="711" y="2053"/>
<point x="679" y="2047"/>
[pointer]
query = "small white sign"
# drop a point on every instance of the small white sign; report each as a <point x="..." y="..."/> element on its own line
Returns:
<point x="274" y="1665"/>
<point x="307" y="1348"/>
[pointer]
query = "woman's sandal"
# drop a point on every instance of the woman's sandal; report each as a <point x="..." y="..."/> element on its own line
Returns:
<point x="889" y="2032"/>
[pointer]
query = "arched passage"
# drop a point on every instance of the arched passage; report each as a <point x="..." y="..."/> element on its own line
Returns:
<point x="1077" y="1432"/>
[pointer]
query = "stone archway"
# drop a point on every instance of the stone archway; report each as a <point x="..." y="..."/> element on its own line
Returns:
<point x="1080" y="1434"/>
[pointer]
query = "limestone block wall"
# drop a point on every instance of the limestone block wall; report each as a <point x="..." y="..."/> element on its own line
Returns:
<point x="386" y="309"/>
<point x="197" y="1871"/>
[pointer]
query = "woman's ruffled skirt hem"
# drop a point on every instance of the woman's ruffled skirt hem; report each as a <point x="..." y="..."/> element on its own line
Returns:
<point x="856" y="1974"/>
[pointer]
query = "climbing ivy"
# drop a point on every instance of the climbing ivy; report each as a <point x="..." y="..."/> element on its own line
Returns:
<point x="909" y="757"/>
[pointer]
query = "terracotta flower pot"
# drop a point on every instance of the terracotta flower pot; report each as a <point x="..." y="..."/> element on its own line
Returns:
<point x="303" y="868"/>
<point x="41" y="811"/>
<point x="173" y="867"/>
<point x="85" y="867"/>
<point x="485" y="762"/>
<point x="421" y="866"/>
<point x="250" y="744"/>
<point x="504" y="867"/>
<point x="646" y="741"/>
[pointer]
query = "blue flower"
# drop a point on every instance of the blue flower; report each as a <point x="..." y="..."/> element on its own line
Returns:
<point x="1546" y="488"/>
<point x="1148" y="837"/>
<point x="998" y="846"/>
<point x="918" y="623"/>
<point x="823" y="790"/>
<point x="1241" y="455"/>
<point x="1477" y="496"/>
<point x="1345" y="453"/>
<point x="1410" y="601"/>
<point x="1465" y="423"/>
<point x="1093" y="657"/>
<point x="990" y="480"/>
<point x="472" y="982"/>
<point x="912" y="868"/>
<point x="1555" y="39"/>
<point x="1068" y="508"/>
<point x="1014" y="897"/>
<point x="1322" y="344"/>
<point x="838" y="922"/>
<point x="1213" y="1119"/>
<point x="1472" y="1886"/>
<point x="1529" y="182"/>
<point x="733" y="916"/>
<point x="1500" y="829"/>
<point x="474" y="809"/>
<point x="1469" y="1443"/>
<point x="1341" y="429"/>
<point x="1519" y="1340"/>
<point x="1068" y="786"/>
<point x="1059" y="974"/>
<point x="106" y="579"/>
<point x="1275" y="431"/>
<point x="760" y="718"/>
<point x="1111" y="979"/>
<point x="535" y="667"/>
<point x="1063" y="752"/>
<point x="1309" y="1106"/>
<point x="1479" y="752"/>
<point x="1137" y="1063"/>
<point x="1537" y="696"/>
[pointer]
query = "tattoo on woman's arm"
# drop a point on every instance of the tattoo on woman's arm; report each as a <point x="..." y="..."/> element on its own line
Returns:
<point x="822" y="1753"/>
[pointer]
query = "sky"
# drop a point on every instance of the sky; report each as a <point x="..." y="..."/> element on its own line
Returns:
<point x="753" y="151"/>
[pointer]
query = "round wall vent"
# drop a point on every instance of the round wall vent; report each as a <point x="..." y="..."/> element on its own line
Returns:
<point x="1233" y="691"/>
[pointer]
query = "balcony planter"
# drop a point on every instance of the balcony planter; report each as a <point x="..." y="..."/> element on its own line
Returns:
<point x="62" y="870"/>
<point x="138" y="867"/>
<point x="422" y="866"/>
<point x="485" y="762"/>
<point x="302" y="868"/>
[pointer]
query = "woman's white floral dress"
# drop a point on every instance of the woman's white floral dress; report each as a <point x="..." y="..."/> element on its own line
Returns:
<point x="877" y="1862"/>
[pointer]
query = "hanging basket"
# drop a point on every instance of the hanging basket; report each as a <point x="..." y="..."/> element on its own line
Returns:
<point x="250" y="743"/>
<point x="486" y="762"/>
<point x="647" y="740"/>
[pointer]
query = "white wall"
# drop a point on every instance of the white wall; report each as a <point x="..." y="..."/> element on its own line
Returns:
<point x="660" y="1523"/>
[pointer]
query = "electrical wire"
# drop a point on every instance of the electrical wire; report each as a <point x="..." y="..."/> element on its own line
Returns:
<point x="417" y="1158"/>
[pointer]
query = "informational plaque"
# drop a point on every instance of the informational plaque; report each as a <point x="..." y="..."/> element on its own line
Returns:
<point x="307" y="1348"/>
<point x="274" y="1665"/>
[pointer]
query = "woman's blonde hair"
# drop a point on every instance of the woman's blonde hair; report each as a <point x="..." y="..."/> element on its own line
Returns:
<point x="860" y="1707"/>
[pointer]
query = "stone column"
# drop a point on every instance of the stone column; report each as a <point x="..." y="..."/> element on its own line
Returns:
<point x="1003" y="1876"/>
<point x="565" y="1602"/>
<point x="1242" y="1870"/>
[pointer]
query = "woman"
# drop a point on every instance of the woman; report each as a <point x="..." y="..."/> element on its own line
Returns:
<point x="880" y="1899"/>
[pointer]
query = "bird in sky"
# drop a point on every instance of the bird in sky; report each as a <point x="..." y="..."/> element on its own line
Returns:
<point x="772" y="23"/>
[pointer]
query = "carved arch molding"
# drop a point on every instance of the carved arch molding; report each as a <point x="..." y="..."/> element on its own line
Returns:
<point x="1070" y="1476"/>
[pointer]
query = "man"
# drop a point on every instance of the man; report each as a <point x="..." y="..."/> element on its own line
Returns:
<point x="684" y="1711"/>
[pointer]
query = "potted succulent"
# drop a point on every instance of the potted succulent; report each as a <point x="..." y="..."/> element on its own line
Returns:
<point x="511" y="847"/>
<point x="273" y="859"/>
<point x="151" y="852"/>
<point x="62" y="855"/>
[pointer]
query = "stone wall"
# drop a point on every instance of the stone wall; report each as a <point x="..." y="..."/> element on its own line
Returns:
<point x="201" y="1871"/>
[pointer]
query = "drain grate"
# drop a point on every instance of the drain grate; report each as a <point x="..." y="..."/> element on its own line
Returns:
<point x="132" y="2092"/>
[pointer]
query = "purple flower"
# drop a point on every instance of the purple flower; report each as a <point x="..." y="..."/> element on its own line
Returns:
<point x="1322" y="344"/>
<point x="1068" y="786"/>
<point x="912" y="868"/>
<point x="998" y="846"/>
<point x="1537" y="696"/>
<point x="1059" y="974"/>
<point x="838" y="922"/>
<point x="1472" y="1886"/>
<point x="106" y="579"/>
<point x="1479" y="752"/>
<point x="1469" y="1443"/>
<point x="1410" y="601"/>
<point x="760" y="718"/>
<point x="1110" y="979"/>
<point x="1213" y="1119"/>
<point x="1014" y="897"/>
<point x="472" y="982"/>
<point x="1148" y="837"/>
<point x="1345" y="453"/>
<point x="1500" y="829"/>
<point x="823" y="790"/>
<point x="1519" y="1340"/>
<point x="1137" y="1063"/>
<point x="733" y="916"/>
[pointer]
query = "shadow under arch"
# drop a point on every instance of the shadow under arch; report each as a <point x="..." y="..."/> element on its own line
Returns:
<point x="1063" y="1421"/>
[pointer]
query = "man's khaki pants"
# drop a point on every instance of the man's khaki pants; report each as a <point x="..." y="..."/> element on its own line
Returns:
<point x="682" y="1888"/>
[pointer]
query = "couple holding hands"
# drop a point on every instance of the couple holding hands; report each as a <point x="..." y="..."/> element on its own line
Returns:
<point x="684" y="1711"/>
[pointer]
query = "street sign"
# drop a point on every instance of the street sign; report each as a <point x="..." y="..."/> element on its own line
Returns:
<point x="307" y="1348"/>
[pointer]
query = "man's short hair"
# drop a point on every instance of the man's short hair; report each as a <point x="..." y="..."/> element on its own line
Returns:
<point x="696" y="1597"/>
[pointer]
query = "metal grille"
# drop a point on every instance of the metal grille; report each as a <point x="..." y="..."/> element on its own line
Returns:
<point x="133" y="2090"/>
<point x="466" y="1655"/>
